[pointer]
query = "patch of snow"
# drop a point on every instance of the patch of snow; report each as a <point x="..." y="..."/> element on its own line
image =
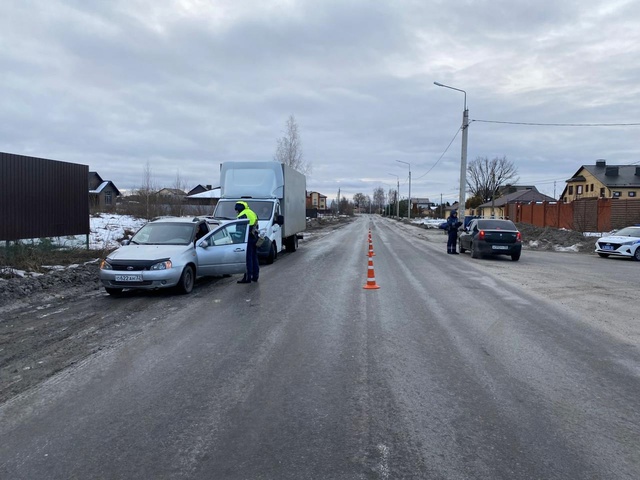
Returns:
<point x="572" y="248"/>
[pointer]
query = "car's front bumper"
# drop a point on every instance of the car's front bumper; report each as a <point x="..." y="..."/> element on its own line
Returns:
<point x="621" y="251"/>
<point x="150" y="280"/>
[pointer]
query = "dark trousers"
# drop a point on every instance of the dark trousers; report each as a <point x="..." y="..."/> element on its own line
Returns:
<point x="451" y="241"/>
<point x="253" y="267"/>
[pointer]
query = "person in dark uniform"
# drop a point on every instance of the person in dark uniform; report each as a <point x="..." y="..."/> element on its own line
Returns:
<point x="253" y="267"/>
<point x="452" y="232"/>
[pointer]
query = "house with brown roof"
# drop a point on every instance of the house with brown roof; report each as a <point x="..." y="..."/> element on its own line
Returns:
<point x="603" y="181"/>
<point x="499" y="208"/>
<point x="316" y="200"/>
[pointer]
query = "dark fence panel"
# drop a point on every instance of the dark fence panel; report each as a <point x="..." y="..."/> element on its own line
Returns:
<point x="42" y="198"/>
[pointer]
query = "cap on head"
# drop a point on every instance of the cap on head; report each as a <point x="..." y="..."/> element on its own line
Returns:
<point x="454" y="212"/>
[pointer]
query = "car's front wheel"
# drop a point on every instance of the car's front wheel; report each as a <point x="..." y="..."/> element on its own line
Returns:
<point x="187" y="279"/>
<point x="636" y="254"/>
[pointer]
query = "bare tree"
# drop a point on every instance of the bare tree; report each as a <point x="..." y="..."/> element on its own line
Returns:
<point x="485" y="176"/>
<point x="147" y="194"/>
<point x="360" y="201"/>
<point x="289" y="148"/>
<point x="393" y="202"/>
<point x="177" y="201"/>
<point x="378" y="198"/>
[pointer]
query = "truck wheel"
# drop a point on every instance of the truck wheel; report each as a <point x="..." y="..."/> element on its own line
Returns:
<point x="292" y="243"/>
<point x="273" y="253"/>
<point x="113" y="291"/>
<point x="187" y="279"/>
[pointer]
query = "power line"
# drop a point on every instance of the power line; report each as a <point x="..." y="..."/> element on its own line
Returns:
<point x="440" y="158"/>
<point x="562" y="124"/>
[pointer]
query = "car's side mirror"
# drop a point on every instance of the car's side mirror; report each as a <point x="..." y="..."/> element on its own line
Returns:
<point x="203" y="244"/>
<point x="125" y="242"/>
<point x="280" y="220"/>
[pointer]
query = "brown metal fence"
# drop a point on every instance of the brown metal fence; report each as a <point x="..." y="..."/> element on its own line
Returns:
<point x="42" y="198"/>
<point x="583" y="215"/>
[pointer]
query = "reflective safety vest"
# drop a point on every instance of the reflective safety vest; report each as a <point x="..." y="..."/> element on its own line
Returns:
<point x="248" y="213"/>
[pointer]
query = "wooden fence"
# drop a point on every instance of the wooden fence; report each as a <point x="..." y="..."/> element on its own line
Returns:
<point x="582" y="215"/>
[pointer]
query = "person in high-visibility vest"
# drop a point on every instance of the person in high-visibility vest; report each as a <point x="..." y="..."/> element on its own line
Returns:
<point x="253" y="267"/>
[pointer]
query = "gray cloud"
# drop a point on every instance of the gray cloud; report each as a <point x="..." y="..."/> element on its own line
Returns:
<point x="187" y="85"/>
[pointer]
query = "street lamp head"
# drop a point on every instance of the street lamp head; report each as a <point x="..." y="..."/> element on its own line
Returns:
<point x="438" y="84"/>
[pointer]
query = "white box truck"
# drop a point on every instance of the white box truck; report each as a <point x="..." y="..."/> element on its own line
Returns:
<point x="275" y="192"/>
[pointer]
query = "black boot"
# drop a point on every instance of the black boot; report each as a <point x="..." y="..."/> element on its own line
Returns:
<point x="244" y="280"/>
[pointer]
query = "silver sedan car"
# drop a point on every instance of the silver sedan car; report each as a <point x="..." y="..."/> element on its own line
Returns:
<point x="173" y="252"/>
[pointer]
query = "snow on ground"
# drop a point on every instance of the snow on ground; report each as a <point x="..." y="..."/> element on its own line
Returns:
<point x="106" y="232"/>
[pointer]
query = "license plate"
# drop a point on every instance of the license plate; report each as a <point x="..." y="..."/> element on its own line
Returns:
<point x="500" y="247"/>
<point x="607" y="247"/>
<point x="128" y="278"/>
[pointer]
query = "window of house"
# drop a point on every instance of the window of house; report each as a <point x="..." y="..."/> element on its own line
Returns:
<point x="578" y="189"/>
<point x="107" y="198"/>
<point x="601" y="192"/>
<point x="631" y="194"/>
<point x="570" y="189"/>
<point x="592" y="187"/>
<point x="617" y="194"/>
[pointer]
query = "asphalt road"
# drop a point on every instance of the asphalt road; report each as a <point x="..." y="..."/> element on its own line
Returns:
<point x="453" y="369"/>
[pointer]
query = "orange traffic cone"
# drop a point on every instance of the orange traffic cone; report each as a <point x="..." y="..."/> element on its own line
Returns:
<point x="371" y="254"/>
<point x="371" y="278"/>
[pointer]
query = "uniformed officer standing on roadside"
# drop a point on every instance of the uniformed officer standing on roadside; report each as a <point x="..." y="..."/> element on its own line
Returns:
<point x="253" y="267"/>
<point x="452" y="231"/>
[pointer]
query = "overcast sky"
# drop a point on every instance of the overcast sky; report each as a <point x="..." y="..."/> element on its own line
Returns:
<point x="186" y="85"/>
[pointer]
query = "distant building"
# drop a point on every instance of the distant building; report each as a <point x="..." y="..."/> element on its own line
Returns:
<point x="316" y="200"/>
<point x="498" y="208"/>
<point x="603" y="181"/>
<point x="206" y="197"/>
<point x="171" y="192"/>
<point x="199" y="189"/>
<point x="102" y="193"/>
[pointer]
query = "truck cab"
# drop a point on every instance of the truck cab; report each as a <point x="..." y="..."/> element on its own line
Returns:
<point x="277" y="195"/>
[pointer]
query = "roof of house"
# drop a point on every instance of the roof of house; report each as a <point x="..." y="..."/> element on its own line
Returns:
<point x="520" y="196"/>
<point x="103" y="185"/>
<point x="213" y="193"/>
<point x="627" y="175"/>
<point x="95" y="174"/>
<point x="171" y="191"/>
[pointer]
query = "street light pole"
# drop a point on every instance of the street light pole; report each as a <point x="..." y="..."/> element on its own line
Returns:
<point x="397" y="196"/>
<point x="463" y="159"/>
<point x="409" y="209"/>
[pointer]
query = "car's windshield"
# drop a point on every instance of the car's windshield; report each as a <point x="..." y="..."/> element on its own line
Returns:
<point x="628" y="232"/>
<point x="496" y="225"/>
<point x="158" y="233"/>
<point x="261" y="208"/>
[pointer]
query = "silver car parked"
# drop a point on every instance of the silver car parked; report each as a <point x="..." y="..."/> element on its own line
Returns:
<point x="173" y="252"/>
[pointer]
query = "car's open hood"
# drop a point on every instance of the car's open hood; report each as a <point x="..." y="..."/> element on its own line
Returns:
<point x="148" y="252"/>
